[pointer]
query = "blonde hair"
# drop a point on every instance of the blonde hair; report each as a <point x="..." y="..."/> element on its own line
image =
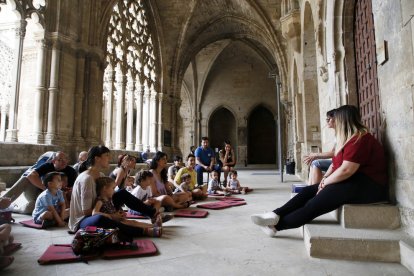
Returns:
<point x="347" y="125"/>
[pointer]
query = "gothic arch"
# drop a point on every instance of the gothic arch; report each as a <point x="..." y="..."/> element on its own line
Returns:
<point x="261" y="133"/>
<point x="222" y="125"/>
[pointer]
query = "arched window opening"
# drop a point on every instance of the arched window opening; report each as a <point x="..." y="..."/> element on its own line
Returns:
<point x="131" y="104"/>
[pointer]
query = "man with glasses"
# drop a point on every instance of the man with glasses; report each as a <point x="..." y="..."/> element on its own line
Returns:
<point x="320" y="162"/>
<point x="31" y="185"/>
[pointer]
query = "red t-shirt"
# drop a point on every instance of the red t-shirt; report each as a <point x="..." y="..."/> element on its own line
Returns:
<point x="368" y="153"/>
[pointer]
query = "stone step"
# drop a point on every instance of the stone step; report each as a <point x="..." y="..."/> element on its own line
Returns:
<point x="407" y="255"/>
<point x="336" y="242"/>
<point x="370" y="216"/>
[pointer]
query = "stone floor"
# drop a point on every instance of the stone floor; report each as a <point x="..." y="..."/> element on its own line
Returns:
<point x="224" y="243"/>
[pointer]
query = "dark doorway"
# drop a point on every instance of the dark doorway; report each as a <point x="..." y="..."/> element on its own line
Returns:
<point x="261" y="141"/>
<point x="222" y="126"/>
<point x="366" y="64"/>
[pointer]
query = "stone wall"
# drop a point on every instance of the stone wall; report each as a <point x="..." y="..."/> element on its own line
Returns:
<point x="396" y="84"/>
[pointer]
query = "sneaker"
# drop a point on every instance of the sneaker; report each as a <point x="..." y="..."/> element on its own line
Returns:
<point x="269" y="218"/>
<point x="269" y="230"/>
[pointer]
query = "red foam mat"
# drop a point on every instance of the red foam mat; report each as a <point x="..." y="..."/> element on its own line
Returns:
<point x="142" y="248"/>
<point x="61" y="253"/>
<point x="30" y="223"/>
<point x="236" y="203"/>
<point x="230" y="198"/>
<point x="190" y="213"/>
<point x="214" y="205"/>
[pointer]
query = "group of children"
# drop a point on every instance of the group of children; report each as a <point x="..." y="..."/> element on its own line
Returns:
<point x="233" y="185"/>
<point x="50" y="208"/>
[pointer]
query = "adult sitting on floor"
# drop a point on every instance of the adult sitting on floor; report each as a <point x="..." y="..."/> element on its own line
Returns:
<point x="196" y="193"/>
<point x="122" y="174"/>
<point x="84" y="197"/>
<point x="162" y="188"/>
<point x="205" y="160"/>
<point x="83" y="155"/>
<point x="31" y="186"/>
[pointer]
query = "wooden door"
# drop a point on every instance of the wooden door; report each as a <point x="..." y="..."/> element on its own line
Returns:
<point x="366" y="63"/>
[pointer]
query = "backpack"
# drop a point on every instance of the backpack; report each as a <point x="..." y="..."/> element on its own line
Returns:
<point x="92" y="240"/>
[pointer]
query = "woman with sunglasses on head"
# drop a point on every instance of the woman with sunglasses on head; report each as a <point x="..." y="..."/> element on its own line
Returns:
<point x="357" y="175"/>
<point x="320" y="162"/>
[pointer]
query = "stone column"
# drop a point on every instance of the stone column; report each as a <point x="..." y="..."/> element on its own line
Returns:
<point x="40" y="91"/>
<point x="145" y="120"/>
<point x="139" y="94"/>
<point x="120" y="109"/>
<point x="153" y="120"/>
<point x="160" y="134"/>
<point x="130" y="114"/>
<point x="53" y="92"/>
<point x="79" y="95"/>
<point x="109" y="85"/>
<point x="11" y="135"/>
<point x="4" y="109"/>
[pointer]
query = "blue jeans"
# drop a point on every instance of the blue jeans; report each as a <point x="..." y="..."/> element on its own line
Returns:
<point x="322" y="164"/>
<point x="200" y="171"/>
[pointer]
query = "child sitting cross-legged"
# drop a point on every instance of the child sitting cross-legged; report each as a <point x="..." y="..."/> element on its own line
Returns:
<point x="233" y="184"/>
<point x="50" y="208"/>
<point x="214" y="187"/>
<point x="105" y="188"/>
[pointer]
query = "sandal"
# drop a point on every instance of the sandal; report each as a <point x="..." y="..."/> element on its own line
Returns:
<point x="155" y="232"/>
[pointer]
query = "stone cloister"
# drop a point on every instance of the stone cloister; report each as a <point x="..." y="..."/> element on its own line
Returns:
<point x="160" y="74"/>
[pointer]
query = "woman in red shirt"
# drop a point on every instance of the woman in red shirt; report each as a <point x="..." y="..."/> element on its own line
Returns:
<point x="357" y="176"/>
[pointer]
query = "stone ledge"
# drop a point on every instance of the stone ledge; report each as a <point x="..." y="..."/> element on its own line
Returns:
<point x="370" y="216"/>
<point x="335" y="242"/>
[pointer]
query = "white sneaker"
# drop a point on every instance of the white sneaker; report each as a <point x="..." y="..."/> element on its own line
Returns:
<point x="265" y="219"/>
<point x="269" y="230"/>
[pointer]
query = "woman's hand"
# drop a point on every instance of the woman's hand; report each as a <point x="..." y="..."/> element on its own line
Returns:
<point x="321" y="185"/>
<point x="307" y="159"/>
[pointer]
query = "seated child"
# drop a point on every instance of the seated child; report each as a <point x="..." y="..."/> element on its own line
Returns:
<point x="185" y="184"/>
<point x="5" y="239"/>
<point x="142" y="191"/>
<point x="233" y="184"/>
<point x="214" y="187"/>
<point x="50" y="208"/>
<point x="105" y="188"/>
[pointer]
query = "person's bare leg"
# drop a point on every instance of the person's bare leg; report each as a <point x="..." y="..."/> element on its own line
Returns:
<point x="315" y="175"/>
<point x="169" y="201"/>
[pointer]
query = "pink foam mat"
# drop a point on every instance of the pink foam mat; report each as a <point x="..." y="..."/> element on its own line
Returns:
<point x="30" y="223"/>
<point x="141" y="248"/>
<point x="188" y="213"/>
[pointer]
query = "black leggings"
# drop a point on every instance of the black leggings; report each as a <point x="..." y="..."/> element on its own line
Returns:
<point x="122" y="197"/>
<point x="104" y="222"/>
<point x="307" y="205"/>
